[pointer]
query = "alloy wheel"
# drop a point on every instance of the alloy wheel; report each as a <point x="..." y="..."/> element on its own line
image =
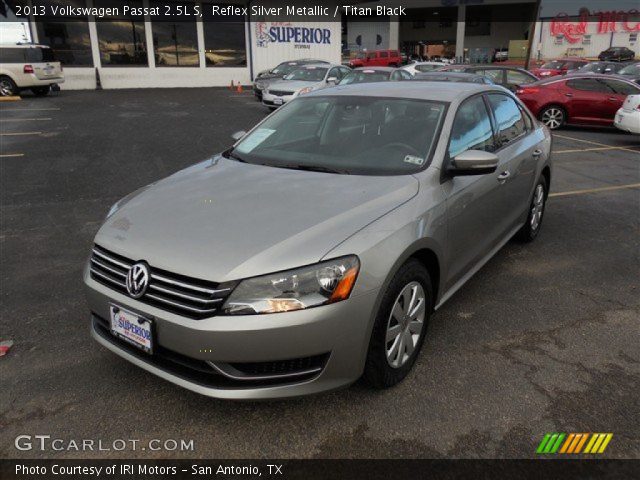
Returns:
<point x="405" y="324"/>
<point x="553" y="117"/>
<point x="6" y="89"/>
<point x="537" y="208"/>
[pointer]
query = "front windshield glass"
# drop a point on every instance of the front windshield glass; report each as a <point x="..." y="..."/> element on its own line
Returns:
<point x="346" y="134"/>
<point x="364" y="77"/>
<point x="310" y="74"/>
<point x="631" y="70"/>
<point x="284" y="68"/>
<point x="554" y="65"/>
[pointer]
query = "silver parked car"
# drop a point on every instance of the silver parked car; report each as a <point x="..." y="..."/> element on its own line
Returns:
<point x="314" y="250"/>
<point x="302" y="81"/>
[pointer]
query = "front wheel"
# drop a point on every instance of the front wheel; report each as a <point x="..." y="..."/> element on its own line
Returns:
<point x="553" y="117"/>
<point x="530" y="230"/>
<point x="400" y="326"/>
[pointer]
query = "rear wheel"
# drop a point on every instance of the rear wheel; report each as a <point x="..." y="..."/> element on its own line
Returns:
<point x="531" y="228"/>
<point x="553" y="116"/>
<point x="41" y="91"/>
<point x="400" y="326"/>
<point x="8" y="87"/>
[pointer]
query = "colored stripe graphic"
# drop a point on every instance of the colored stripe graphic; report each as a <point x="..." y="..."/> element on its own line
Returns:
<point x="573" y="443"/>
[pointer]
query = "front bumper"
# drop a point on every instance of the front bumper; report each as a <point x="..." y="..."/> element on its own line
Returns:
<point x="335" y="337"/>
<point x="271" y="100"/>
<point x="627" y="121"/>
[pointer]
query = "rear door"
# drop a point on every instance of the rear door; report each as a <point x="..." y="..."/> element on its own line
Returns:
<point x="44" y="63"/>
<point x="585" y="99"/>
<point x="518" y="150"/>
<point x="617" y="94"/>
<point x="473" y="202"/>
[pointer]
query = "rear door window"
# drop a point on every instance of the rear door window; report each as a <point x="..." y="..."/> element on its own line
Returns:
<point x="12" y="55"/>
<point x="471" y="128"/>
<point x="587" y="85"/>
<point x="38" y="55"/>
<point x="384" y="54"/>
<point x="509" y="122"/>
<point x="494" y="74"/>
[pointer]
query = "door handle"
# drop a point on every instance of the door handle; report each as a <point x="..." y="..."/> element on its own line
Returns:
<point x="504" y="175"/>
<point x="613" y="99"/>
<point x="568" y="94"/>
<point x="537" y="152"/>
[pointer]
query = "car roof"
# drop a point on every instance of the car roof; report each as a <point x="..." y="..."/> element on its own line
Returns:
<point x="23" y="45"/>
<point x="436" y="91"/>
<point x="376" y="69"/>
<point x="461" y="75"/>
<point x="577" y="76"/>
<point x="319" y="65"/>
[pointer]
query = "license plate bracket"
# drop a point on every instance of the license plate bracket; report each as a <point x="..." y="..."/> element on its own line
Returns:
<point x="132" y="328"/>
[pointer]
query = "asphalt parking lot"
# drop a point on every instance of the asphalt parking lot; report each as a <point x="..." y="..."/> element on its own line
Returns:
<point x="543" y="339"/>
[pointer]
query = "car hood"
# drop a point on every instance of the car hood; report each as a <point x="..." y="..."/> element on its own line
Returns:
<point x="291" y="85"/>
<point x="223" y="220"/>
<point x="268" y="76"/>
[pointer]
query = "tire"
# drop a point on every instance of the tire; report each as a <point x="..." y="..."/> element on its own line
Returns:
<point x="531" y="228"/>
<point x="8" y="87"/>
<point x="383" y="368"/>
<point x="553" y="116"/>
<point x="41" y="91"/>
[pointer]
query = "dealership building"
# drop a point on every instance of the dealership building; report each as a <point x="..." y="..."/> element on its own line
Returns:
<point x="138" y="51"/>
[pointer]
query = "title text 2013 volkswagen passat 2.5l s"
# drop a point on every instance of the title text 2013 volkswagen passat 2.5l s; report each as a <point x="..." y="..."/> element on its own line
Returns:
<point x="315" y="249"/>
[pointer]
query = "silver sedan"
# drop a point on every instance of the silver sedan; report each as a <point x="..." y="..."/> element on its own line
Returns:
<point x="314" y="251"/>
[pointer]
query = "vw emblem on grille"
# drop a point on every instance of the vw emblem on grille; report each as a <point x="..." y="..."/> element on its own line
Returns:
<point x="137" y="280"/>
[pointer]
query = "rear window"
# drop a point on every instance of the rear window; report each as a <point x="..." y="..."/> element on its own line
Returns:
<point x="37" y="55"/>
<point x="12" y="55"/>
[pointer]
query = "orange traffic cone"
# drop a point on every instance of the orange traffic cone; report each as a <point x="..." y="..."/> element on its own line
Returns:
<point x="239" y="89"/>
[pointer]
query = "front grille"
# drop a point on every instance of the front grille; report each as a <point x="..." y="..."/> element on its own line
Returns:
<point x="294" y="366"/>
<point x="175" y="293"/>
<point x="280" y="93"/>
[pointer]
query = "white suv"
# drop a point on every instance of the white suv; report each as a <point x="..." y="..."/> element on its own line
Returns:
<point x="28" y="66"/>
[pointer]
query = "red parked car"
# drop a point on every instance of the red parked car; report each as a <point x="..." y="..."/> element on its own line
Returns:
<point x="377" y="58"/>
<point x="577" y="99"/>
<point x="559" y="67"/>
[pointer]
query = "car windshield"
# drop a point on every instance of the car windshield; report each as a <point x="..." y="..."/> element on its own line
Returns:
<point x="309" y="74"/>
<point x="554" y="65"/>
<point x="365" y="77"/>
<point x="346" y="134"/>
<point x="631" y="70"/>
<point x="285" y="68"/>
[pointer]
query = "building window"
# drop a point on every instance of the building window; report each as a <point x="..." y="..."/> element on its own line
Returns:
<point x="122" y="39"/>
<point x="175" y="43"/>
<point x="586" y="39"/>
<point x="559" y="39"/>
<point x="69" y="39"/>
<point x="224" y="39"/>
<point x="633" y="37"/>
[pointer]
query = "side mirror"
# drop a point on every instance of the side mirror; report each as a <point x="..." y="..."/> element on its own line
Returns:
<point x="238" y="135"/>
<point x="473" y="162"/>
<point x="333" y="80"/>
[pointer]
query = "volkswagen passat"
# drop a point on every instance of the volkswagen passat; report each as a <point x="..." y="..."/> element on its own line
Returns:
<point x="314" y="250"/>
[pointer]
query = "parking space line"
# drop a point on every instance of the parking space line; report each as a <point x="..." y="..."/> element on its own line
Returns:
<point x="19" y="133"/>
<point x="5" y="155"/>
<point x="23" y="120"/>
<point x="597" y="149"/>
<point x="28" y="109"/>
<point x="594" y="190"/>
<point x="592" y="142"/>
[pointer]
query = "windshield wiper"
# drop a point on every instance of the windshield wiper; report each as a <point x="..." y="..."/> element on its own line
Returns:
<point x="229" y="154"/>
<point x="313" y="168"/>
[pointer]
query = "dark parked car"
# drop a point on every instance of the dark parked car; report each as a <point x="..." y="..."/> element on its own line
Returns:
<point x="278" y="73"/>
<point x="601" y="67"/>
<point x="509" y="77"/>
<point x="375" y="74"/>
<point x="577" y="99"/>
<point x="452" y="77"/>
<point x="618" y="54"/>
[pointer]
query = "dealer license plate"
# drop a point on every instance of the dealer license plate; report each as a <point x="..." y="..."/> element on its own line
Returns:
<point x="278" y="101"/>
<point x="132" y="328"/>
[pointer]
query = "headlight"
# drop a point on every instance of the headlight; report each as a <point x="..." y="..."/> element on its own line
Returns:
<point x="305" y="90"/>
<point x="319" y="284"/>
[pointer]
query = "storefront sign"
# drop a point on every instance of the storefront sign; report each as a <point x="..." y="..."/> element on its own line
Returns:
<point x="606" y="22"/>
<point x="286" y="32"/>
